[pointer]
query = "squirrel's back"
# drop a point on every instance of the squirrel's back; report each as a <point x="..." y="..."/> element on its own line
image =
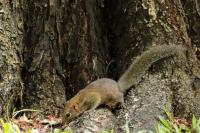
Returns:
<point x="142" y="63"/>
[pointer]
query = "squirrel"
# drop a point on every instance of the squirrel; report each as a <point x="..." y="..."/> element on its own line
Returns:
<point x="109" y="92"/>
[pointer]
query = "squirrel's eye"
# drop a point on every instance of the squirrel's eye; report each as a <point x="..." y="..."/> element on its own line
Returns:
<point x="68" y="114"/>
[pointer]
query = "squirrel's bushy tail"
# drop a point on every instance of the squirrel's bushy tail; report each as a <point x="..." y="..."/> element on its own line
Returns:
<point x="142" y="63"/>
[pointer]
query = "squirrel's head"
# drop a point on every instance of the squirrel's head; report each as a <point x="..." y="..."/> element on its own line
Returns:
<point x="70" y="112"/>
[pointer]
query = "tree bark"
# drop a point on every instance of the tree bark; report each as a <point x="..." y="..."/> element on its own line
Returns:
<point x="192" y="14"/>
<point x="11" y="37"/>
<point x="51" y="49"/>
<point x="62" y="49"/>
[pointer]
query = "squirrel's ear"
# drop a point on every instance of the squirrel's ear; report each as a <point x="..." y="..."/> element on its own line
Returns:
<point x="75" y="106"/>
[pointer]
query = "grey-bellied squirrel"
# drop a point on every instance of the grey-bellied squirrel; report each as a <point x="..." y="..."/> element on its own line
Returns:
<point x="109" y="92"/>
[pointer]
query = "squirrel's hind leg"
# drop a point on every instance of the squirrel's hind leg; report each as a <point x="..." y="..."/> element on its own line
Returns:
<point x="120" y="100"/>
<point x="117" y="100"/>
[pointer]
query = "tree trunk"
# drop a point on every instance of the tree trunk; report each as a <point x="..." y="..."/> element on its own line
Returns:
<point x="52" y="49"/>
<point x="11" y="37"/>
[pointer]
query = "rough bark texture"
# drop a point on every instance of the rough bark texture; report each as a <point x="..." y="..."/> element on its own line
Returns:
<point x="192" y="14"/>
<point x="51" y="49"/>
<point x="62" y="50"/>
<point x="11" y="36"/>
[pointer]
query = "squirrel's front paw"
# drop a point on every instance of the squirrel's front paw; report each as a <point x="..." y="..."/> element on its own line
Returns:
<point x="122" y="105"/>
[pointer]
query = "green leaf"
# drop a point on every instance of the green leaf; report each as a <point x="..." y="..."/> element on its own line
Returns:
<point x="6" y="128"/>
<point x="66" y="132"/>
<point x="144" y="131"/>
<point x="194" y="122"/>
<point x="57" y="130"/>
<point x="104" y="131"/>
<point x="177" y="130"/>
<point x="14" y="110"/>
<point x="169" y="115"/>
<point x="150" y="131"/>
<point x="198" y="125"/>
<point x="2" y="122"/>
<point x="112" y="130"/>
<point x="127" y="127"/>
<point x="29" y="131"/>
<point x="165" y="123"/>
<point x="160" y="129"/>
<point x="184" y="128"/>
